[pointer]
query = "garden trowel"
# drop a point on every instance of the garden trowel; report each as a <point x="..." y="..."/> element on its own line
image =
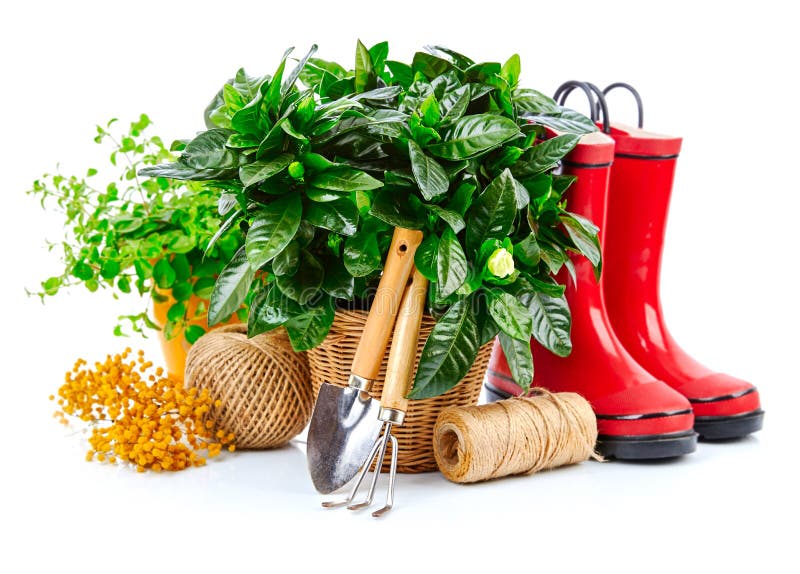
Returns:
<point x="345" y="422"/>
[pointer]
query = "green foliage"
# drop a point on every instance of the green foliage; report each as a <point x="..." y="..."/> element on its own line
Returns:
<point x="135" y="233"/>
<point x="318" y="174"/>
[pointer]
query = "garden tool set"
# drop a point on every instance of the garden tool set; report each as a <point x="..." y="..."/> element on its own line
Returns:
<point x="396" y="386"/>
<point x="345" y="429"/>
<point x="651" y="399"/>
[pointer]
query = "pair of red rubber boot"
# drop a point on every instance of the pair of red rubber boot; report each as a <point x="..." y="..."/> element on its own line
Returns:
<point x="650" y="397"/>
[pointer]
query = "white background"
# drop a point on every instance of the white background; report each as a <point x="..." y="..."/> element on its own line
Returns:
<point x="722" y="77"/>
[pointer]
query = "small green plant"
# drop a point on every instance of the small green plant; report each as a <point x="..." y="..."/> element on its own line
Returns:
<point x="131" y="233"/>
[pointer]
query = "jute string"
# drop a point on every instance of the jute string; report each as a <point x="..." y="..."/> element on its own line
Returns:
<point x="264" y="385"/>
<point x="514" y="436"/>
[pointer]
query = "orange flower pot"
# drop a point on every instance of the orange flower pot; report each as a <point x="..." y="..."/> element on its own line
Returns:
<point x="176" y="348"/>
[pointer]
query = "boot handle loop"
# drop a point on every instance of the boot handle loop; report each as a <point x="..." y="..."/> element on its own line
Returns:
<point x="636" y="96"/>
<point x="597" y="101"/>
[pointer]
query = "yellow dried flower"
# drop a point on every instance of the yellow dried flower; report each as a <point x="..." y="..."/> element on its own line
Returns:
<point x="148" y="420"/>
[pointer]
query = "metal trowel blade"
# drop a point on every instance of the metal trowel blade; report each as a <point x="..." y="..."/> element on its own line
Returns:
<point x="343" y="428"/>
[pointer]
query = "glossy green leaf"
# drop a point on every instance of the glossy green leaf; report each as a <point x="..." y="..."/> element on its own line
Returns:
<point x="325" y="195"/>
<point x="379" y="95"/>
<point x="163" y="273"/>
<point x="365" y="73"/>
<point x="511" y="70"/>
<point x="269" y="309"/>
<point x="511" y="316"/>
<point x="521" y="195"/>
<point x="481" y="72"/>
<point x="551" y="322"/>
<point x="422" y="134"/>
<point x="272" y="228"/>
<point x="287" y="261"/>
<point x="428" y="173"/>
<point x="344" y="178"/>
<point x="234" y="100"/>
<point x="362" y="255"/>
<point x="184" y="172"/>
<point x="306" y="282"/>
<point x="544" y="156"/>
<point x="208" y="151"/>
<point x="429" y="110"/>
<point x="242" y="141"/>
<point x="454" y="105"/>
<point x="248" y="86"/>
<point x="584" y="234"/>
<point x="568" y="121"/>
<point x="449" y="352"/>
<point x="273" y="90"/>
<point x="203" y="287"/>
<point x="492" y="213"/>
<point x="176" y="311"/>
<point x="340" y="216"/>
<point x="315" y="163"/>
<point x="291" y="79"/>
<point x="337" y="282"/>
<point x="547" y="286"/>
<point x="451" y="264"/>
<point x="461" y="200"/>
<point x="452" y="218"/>
<point x="460" y="60"/>
<point x="378" y="54"/>
<point x="561" y="183"/>
<point x="553" y="256"/>
<point x="192" y="333"/>
<point x="273" y="140"/>
<point x="399" y="208"/>
<point x="226" y="225"/>
<point x="487" y="327"/>
<point x="527" y="250"/>
<point x="425" y="257"/>
<point x="183" y="269"/>
<point x="257" y="171"/>
<point x="430" y="65"/>
<point x="231" y="288"/>
<point x="539" y="187"/>
<point x="472" y="135"/>
<point x="401" y="73"/>
<point x="309" y="329"/>
<point x="519" y="358"/>
<point x="311" y="75"/>
<point x="109" y="269"/>
<point x="533" y="102"/>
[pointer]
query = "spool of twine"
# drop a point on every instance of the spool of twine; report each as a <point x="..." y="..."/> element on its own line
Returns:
<point x="515" y="436"/>
<point x="263" y="384"/>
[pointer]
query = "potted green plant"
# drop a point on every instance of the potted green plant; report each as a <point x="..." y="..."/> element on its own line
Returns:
<point x="150" y="236"/>
<point x="318" y="177"/>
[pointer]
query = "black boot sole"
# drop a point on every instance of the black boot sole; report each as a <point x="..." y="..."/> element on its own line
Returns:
<point x="735" y="426"/>
<point x="644" y="447"/>
<point x="647" y="447"/>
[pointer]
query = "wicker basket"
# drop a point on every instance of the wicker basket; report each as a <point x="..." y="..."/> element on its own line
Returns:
<point x="330" y="363"/>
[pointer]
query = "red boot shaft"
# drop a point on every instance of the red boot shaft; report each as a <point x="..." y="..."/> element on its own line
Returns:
<point x="640" y="190"/>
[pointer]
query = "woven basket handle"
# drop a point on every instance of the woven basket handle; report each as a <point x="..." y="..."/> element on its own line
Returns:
<point x="400" y="367"/>
<point x="382" y="314"/>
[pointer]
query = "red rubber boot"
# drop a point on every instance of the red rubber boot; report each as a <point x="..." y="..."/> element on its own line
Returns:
<point x="638" y="417"/>
<point x="641" y="184"/>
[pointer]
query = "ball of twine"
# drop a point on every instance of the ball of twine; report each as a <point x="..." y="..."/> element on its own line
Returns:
<point x="515" y="436"/>
<point x="263" y="384"/>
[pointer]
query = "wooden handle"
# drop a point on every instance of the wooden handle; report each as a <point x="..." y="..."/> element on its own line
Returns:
<point x="382" y="314"/>
<point x="404" y="345"/>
